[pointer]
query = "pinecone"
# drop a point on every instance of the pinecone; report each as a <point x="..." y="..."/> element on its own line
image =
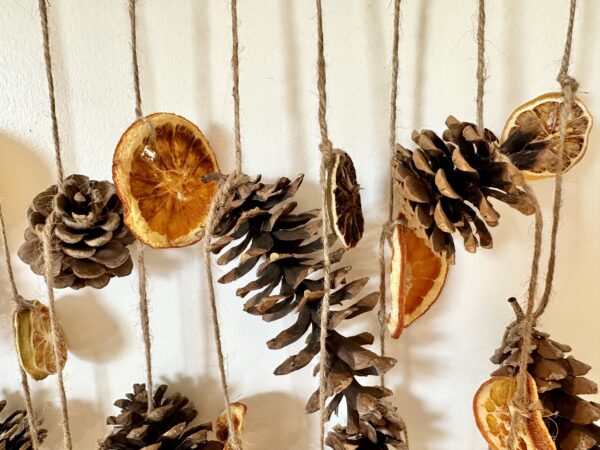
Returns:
<point x="258" y="226"/>
<point x="89" y="240"/>
<point x="14" y="431"/>
<point x="445" y="186"/>
<point x="560" y="381"/>
<point x="166" y="427"/>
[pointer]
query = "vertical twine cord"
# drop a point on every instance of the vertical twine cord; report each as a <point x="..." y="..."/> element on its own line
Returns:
<point x="48" y="58"/>
<point x="386" y="230"/>
<point x="326" y="161"/>
<point x="523" y="407"/>
<point x="58" y="360"/>
<point x="142" y="274"/>
<point x="220" y="198"/>
<point x="46" y="236"/>
<point x="235" y="65"/>
<point x="569" y="87"/>
<point x="480" y="66"/>
<point x="17" y="305"/>
<point x="212" y="219"/>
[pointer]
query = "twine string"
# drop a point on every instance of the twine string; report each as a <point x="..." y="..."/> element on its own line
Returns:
<point x="522" y="402"/>
<point x="141" y="260"/>
<point x="221" y="197"/>
<point x="327" y="156"/>
<point x="51" y="95"/>
<point x="481" y="71"/>
<point x="235" y="66"/>
<point x="46" y="233"/>
<point x="18" y="305"/>
<point x="386" y="229"/>
<point x="46" y="238"/>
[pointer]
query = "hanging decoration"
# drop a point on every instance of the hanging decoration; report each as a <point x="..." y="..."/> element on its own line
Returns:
<point x="157" y="170"/>
<point x="89" y="239"/>
<point x="15" y="433"/>
<point x="20" y="431"/>
<point x="533" y="400"/>
<point x="531" y="136"/>
<point x="258" y="227"/>
<point x="165" y="426"/>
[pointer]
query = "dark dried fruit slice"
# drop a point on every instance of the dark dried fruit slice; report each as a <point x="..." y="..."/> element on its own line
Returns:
<point x="531" y="135"/>
<point x="344" y="205"/>
<point x="157" y="170"/>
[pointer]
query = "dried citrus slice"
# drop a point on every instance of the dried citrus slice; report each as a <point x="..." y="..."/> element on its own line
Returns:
<point x="238" y="414"/>
<point x="34" y="341"/>
<point x="157" y="170"/>
<point x="492" y="407"/>
<point x="344" y="205"/>
<point x="531" y="135"/>
<point x="417" y="278"/>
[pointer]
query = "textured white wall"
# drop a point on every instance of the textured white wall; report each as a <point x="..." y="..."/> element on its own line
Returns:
<point x="185" y="51"/>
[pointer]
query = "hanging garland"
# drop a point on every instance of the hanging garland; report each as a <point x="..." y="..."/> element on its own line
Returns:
<point x="538" y="386"/>
<point x="20" y="429"/>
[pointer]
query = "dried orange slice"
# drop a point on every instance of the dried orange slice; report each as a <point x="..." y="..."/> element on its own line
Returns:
<point x="238" y="414"/>
<point x="531" y="135"/>
<point x="492" y="407"/>
<point x="417" y="278"/>
<point x="34" y="341"/>
<point x="344" y="204"/>
<point x="157" y="170"/>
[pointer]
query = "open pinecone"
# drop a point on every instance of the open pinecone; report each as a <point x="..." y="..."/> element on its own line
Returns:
<point x="166" y="427"/>
<point x="445" y="185"/>
<point x="90" y="239"/>
<point x="560" y="381"/>
<point x="258" y="227"/>
<point x="14" y="431"/>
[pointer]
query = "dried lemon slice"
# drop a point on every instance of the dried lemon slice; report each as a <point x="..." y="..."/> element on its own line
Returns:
<point x="531" y="135"/>
<point x="492" y="408"/>
<point x="238" y="414"/>
<point x="34" y="341"/>
<point x="158" y="167"/>
<point x="417" y="278"/>
<point x="344" y="204"/>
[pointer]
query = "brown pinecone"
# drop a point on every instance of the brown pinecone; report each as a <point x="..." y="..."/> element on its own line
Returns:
<point x="258" y="227"/>
<point x="445" y="185"/>
<point x="165" y="428"/>
<point x="560" y="381"/>
<point x="90" y="239"/>
<point x="14" y="431"/>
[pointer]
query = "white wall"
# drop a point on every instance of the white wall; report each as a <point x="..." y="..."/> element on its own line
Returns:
<point x="185" y="51"/>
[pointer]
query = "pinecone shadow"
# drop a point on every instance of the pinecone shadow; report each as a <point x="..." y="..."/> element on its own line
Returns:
<point x="92" y="332"/>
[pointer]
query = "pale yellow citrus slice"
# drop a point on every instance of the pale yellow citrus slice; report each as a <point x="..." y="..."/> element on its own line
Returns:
<point x="238" y="415"/>
<point x="34" y="341"/>
<point x="417" y="278"/>
<point x="531" y="135"/>
<point x="492" y="406"/>
<point x="158" y="167"/>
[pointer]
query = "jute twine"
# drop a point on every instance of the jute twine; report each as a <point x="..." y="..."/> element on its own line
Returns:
<point x="18" y="305"/>
<point x="221" y="197"/>
<point x="327" y="156"/>
<point x="46" y="234"/>
<point x="141" y="260"/>
<point x="522" y="404"/>
<point x="480" y="65"/>
<point x="386" y="230"/>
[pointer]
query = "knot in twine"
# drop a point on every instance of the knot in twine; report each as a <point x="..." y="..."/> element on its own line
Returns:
<point x="326" y="148"/>
<point x="568" y="82"/>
